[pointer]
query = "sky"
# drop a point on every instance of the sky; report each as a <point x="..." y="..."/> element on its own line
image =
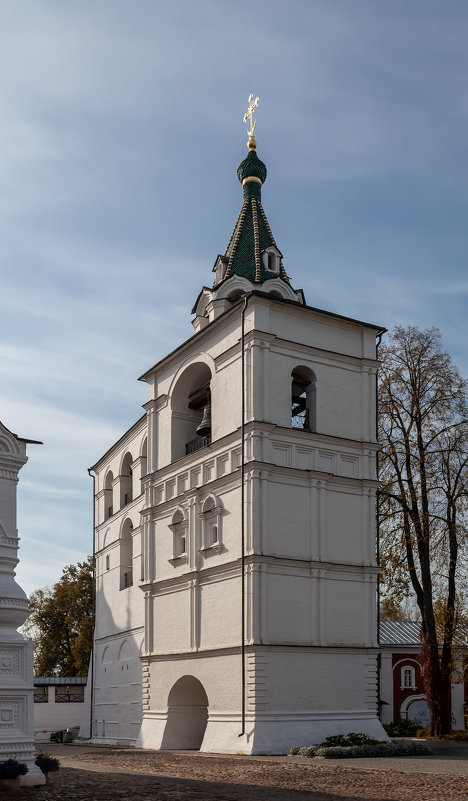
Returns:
<point x="121" y="130"/>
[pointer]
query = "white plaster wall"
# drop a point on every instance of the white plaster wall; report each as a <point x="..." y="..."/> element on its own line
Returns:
<point x="219" y="674"/>
<point x="52" y="717"/>
<point x="323" y="680"/>
<point x="119" y="612"/>
<point x="309" y="507"/>
<point x="457" y="706"/>
<point x="172" y="621"/>
<point x="220" y="613"/>
<point x="313" y="329"/>
<point x="117" y="690"/>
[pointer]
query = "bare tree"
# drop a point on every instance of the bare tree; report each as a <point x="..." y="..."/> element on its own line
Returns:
<point x="423" y="500"/>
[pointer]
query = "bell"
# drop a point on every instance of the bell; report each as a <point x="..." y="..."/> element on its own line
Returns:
<point x="204" y="429"/>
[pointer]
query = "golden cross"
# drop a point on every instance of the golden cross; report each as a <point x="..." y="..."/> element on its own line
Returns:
<point x="249" y="113"/>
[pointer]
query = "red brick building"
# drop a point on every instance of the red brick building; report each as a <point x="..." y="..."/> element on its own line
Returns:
<point x="401" y="683"/>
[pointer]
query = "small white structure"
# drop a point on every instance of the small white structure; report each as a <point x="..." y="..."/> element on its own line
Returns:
<point x="16" y="657"/>
<point x="236" y="542"/>
<point x="59" y="704"/>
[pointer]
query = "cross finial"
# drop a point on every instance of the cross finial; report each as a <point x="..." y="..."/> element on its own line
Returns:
<point x="249" y="115"/>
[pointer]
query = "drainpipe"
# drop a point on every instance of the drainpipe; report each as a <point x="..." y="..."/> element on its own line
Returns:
<point x="91" y="689"/>
<point x="377" y="514"/>
<point x="246" y="300"/>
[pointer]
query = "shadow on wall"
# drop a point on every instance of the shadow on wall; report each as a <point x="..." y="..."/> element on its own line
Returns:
<point x="187" y="715"/>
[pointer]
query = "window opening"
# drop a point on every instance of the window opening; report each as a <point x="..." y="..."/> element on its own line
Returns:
<point x="126" y="555"/>
<point x="303" y="399"/>
<point x="179" y="535"/>
<point x="126" y="478"/>
<point x="211" y="526"/>
<point x="200" y="401"/>
<point x="407" y="678"/>
<point x="300" y="417"/>
<point x="41" y="694"/>
<point x="108" y="503"/>
<point x="69" y="695"/>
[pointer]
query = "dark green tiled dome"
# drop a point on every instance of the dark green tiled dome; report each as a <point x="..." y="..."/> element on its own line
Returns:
<point x="252" y="167"/>
<point x="252" y="234"/>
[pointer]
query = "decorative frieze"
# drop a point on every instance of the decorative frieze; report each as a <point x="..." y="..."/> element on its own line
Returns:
<point x="8" y="662"/>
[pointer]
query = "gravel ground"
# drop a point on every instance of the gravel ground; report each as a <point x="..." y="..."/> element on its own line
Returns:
<point x="113" y="774"/>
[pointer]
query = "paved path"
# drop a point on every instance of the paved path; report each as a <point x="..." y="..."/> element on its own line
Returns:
<point x="91" y="773"/>
<point x="447" y="758"/>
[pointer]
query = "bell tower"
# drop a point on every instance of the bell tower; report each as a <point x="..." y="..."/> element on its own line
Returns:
<point x="258" y="536"/>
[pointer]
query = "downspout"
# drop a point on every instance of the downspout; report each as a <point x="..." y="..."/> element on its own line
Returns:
<point x="91" y="689"/>
<point x="377" y="521"/>
<point x="243" y="681"/>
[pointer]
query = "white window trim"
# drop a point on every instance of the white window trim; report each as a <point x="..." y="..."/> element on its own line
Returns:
<point x="411" y="686"/>
<point x="271" y="251"/>
<point x="212" y="517"/>
<point x="179" y="530"/>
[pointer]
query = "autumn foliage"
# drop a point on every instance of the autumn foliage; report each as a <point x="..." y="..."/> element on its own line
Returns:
<point x="61" y="623"/>
<point x="423" y="432"/>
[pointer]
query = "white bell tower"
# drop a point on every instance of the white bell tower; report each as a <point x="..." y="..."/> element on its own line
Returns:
<point x="259" y="563"/>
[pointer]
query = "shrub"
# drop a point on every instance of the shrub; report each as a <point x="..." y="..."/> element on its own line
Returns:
<point x="375" y="749"/>
<point x="11" y="769"/>
<point x="402" y="728"/>
<point x="47" y="763"/>
<point x="347" y="740"/>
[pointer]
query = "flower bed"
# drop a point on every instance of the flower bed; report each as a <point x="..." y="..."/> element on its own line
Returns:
<point x="359" y="745"/>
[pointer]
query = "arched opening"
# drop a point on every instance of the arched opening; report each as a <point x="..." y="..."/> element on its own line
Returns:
<point x="417" y="710"/>
<point x="191" y="411"/>
<point x="236" y="295"/>
<point x="126" y="555"/>
<point x="187" y="715"/>
<point x="179" y="533"/>
<point x="126" y="494"/>
<point x="211" y="524"/>
<point x="108" y="503"/>
<point x="408" y="678"/>
<point x="144" y="457"/>
<point x="303" y="399"/>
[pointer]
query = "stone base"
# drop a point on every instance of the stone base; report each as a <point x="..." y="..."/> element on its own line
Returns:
<point x="123" y="742"/>
<point x="33" y="777"/>
<point x="265" y="733"/>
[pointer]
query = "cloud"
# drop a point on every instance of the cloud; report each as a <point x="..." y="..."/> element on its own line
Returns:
<point x="121" y="132"/>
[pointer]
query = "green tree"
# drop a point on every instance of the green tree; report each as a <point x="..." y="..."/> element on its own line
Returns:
<point x="61" y="623"/>
<point x="423" y="499"/>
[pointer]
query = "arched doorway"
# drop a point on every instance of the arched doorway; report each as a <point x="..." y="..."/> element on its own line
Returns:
<point x="418" y="711"/>
<point x="187" y="715"/>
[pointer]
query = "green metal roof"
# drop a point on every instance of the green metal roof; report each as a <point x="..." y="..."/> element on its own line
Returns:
<point x="252" y="233"/>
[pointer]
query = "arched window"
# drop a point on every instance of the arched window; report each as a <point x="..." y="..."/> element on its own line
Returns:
<point x="126" y="495"/>
<point x="179" y="537"/>
<point x="408" y="678"/>
<point x="108" y="503"/>
<point x="144" y="457"/>
<point x="303" y="399"/>
<point x="211" y="517"/>
<point x="236" y="295"/>
<point x="126" y="555"/>
<point x="271" y="259"/>
<point x="191" y="411"/>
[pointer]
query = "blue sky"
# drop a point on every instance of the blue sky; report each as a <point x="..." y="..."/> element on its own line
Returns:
<point x="121" y="130"/>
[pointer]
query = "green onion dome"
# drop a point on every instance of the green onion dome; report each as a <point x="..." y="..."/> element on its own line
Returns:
<point x="251" y="167"/>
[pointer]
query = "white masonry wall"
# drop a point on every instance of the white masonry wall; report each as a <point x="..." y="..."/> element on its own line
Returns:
<point x="310" y="536"/>
<point x="119" y="609"/>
